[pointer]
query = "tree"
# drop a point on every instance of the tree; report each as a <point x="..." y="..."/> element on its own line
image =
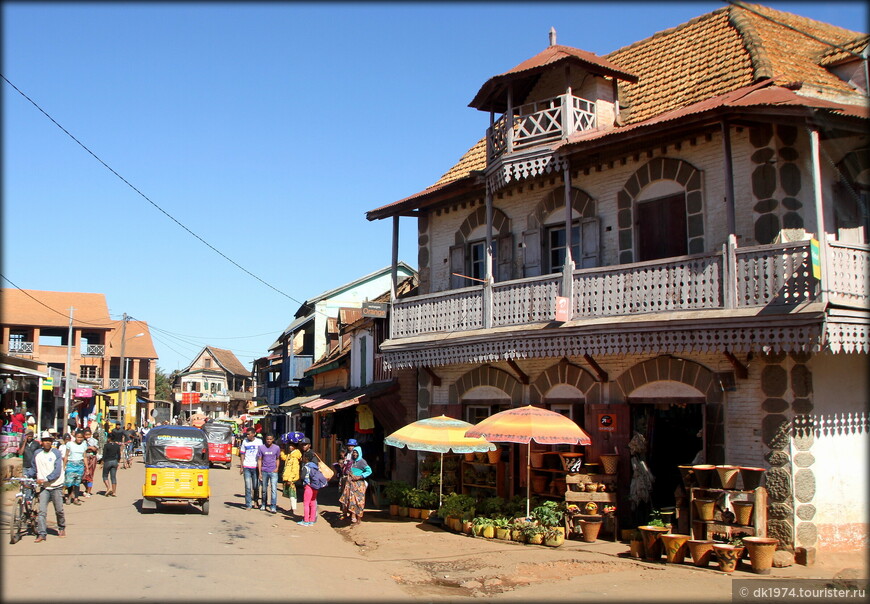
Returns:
<point x="162" y="385"/>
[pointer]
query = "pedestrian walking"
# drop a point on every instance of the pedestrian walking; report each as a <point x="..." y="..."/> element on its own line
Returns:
<point x="353" y="497"/>
<point x="50" y="476"/>
<point x="314" y="480"/>
<point x="110" y="460"/>
<point x="28" y="448"/>
<point x="268" y="455"/>
<point x="291" y="458"/>
<point x="90" y="461"/>
<point x="248" y="456"/>
<point x="74" y="460"/>
<point x="342" y="470"/>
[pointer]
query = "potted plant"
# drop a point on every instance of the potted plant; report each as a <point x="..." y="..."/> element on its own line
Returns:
<point x="652" y="543"/>
<point x="533" y="533"/>
<point x="414" y="499"/>
<point x="553" y="537"/>
<point x="517" y="526"/>
<point x="395" y="492"/>
<point x="453" y="507"/>
<point x="428" y="503"/>
<point x="467" y="518"/>
<point x="549" y="514"/>
<point x="490" y="506"/>
<point x="589" y="528"/>
<point x="728" y="554"/>
<point x="483" y="527"/>
<point x="502" y="528"/>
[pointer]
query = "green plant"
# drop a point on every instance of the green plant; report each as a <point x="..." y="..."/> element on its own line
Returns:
<point x="552" y="533"/>
<point x="428" y="500"/>
<point x="490" y="506"/>
<point x="530" y="530"/>
<point x="736" y="542"/>
<point x="482" y="521"/>
<point x="548" y="514"/>
<point x="395" y="492"/>
<point x="516" y="506"/>
<point x="656" y="522"/>
<point x="414" y="498"/>
<point x="457" y="505"/>
<point x="428" y="483"/>
<point x="501" y="522"/>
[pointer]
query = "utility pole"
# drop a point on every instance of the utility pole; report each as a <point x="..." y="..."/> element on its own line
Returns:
<point x="122" y="371"/>
<point x="67" y="368"/>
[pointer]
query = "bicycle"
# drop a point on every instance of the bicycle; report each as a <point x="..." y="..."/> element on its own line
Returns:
<point x="25" y="511"/>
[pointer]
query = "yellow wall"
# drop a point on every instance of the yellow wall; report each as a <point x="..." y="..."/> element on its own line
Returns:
<point x="128" y="403"/>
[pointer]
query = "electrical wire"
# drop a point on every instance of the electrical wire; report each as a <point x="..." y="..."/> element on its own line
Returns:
<point x="63" y="314"/>
<point x="146" y="198"/>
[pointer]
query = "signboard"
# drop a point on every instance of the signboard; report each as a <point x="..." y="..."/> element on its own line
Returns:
<point x="815" y="258"/>
<point x="83" y="392"/>
<point x="606" y="422"/>
<point x="562" y="309"/>
<point x="190" y="398"/>
<point x="47" y="383"/>
<point x="377" y="310"/>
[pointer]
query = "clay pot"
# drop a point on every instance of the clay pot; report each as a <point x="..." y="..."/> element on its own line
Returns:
<point x="469" y="457"/>
<point x="705" y="508"/>
<point x="414" y="512"/>
<point x="591" y="468"/>
<point x="742" y="512"/>
<point x="751" y="477"/>
<point x="403" y="511"/>
<point x="635" y="548"/>
<point x="728" y="476"/>
<point x="493" y="456"/>
<point x="394" y="509"/>
<point x="539" y="483"/>
<point x="467" y="527"/>
<point x="675" y="547"/>
<point x="728" y="556"/>
<point x="652" y="543"/>
<point x="590" y="530"/>
<point x="688" y="476"/>
<point x="704" y="475"/>
<point x="701" y="551"/>
<point x="761" y="550"/>
<point x="609" y="461"/>
<point x="537" y="459"/>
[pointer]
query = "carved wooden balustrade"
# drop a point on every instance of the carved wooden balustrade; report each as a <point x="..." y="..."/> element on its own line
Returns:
<point x="539" y="122"/>
<point x="765" y="275"/>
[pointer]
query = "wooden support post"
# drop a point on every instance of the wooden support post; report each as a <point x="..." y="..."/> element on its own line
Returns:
<point x="602" y="375"/>
<point x="436" y="381"/>
<point x="524" y="379"/>
<point x="741" y="370"/>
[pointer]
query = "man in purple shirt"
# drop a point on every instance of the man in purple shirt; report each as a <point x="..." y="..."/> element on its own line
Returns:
<point x="267" y="465"/>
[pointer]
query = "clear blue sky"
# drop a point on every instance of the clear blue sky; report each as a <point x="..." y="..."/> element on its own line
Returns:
<point x="268" y="130"/>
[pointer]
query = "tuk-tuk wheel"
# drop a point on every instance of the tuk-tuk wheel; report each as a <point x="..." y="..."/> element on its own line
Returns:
<point x="205" y="507"/>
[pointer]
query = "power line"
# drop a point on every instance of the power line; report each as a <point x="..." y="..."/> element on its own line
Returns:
<point x="63" y="314"/>
<point x="146" y="198"/>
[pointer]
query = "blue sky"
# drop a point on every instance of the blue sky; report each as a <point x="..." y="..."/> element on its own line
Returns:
<point x="267" y="129"/>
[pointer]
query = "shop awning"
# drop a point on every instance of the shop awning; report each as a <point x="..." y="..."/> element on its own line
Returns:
<point x="258" y="408"/>
<point x="298" y="400"/>
<point x="348" y="398"/>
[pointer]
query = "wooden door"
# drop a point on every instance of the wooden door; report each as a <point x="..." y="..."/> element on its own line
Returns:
<point x="661" y="228"/>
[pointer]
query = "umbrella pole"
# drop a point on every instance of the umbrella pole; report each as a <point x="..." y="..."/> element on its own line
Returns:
<point x="441" y="480"/>
<point x="528" y="479"/>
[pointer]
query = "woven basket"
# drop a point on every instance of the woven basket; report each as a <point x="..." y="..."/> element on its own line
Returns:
<point x="742" y="512"/>
<point x="610" y="462"/>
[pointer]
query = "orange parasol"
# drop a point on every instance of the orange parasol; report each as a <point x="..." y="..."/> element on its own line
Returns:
<point x="525" y="424"/>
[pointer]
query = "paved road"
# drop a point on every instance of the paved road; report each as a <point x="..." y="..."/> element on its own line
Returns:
<point x="114" y="552"/>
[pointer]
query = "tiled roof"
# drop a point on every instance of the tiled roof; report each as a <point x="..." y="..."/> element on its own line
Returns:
<point x="711" y="55"/>
<point x="51" y="309"/>
<point x="836" y="55"/>
<point x="134" y="348"/>
<point x="228" y="361"/>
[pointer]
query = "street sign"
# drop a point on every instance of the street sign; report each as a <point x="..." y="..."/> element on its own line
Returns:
<point x="815" y="258"/>
<point x="47" y="383"/>
<point x="562" y="309"/>
<point x="377" y="310"/>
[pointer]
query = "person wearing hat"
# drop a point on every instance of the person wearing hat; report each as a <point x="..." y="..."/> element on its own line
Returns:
<point x="29" y="447"/>
<point x="49" y="474"/>
<point x="342" y="469"/>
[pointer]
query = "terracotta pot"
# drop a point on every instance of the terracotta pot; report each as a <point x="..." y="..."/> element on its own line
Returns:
<point x="591" y="468"/>
<point x="728" y="556"/>
<point x="701" y="551"/>
<point x="761" y="550"/>
<point x="688" y="476"/>
<point x="635" y="548"/>
<point x="467" y="526"/>
<point x="705" y="508"/>
<point x="751" y="477"/>
<point x="537" y="459"/>
<point x="539" y="483"/>
<point x="609" y="461"/>
<point x="590" y="530"/>
<point x="675" y="547"/>
<point x="652" y="543"/>
<point x="403" y="511"/>
<point x="742" y="512"/>
<point x="728" y="476"/>
<point x="704" y="475"/>
<point x="469" y="457"/>
<point x="394" y="509"/>
<point x="568" y="459"/>
<point x="414" y="512"/>
<point x="494" y="456"/>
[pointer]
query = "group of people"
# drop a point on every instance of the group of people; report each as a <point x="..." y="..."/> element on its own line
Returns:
<point x="64" y="470"/>
<point x="261" y="461"/>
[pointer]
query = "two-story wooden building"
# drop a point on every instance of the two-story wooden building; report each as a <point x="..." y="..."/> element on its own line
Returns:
<point x="221" y="385"/>
<point x="634" y="237"/>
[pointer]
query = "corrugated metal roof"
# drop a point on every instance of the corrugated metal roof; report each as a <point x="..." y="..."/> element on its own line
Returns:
<point x="348" y="398"/>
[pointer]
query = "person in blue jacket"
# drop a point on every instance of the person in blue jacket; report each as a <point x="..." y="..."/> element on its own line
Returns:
<point x="353" y="495"/>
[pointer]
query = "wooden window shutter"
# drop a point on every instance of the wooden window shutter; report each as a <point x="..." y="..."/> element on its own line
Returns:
<point x="457" y="266"/>
<point x="505" y="258"/>
<point x="589" y="240"/>
<point x="532" y="253"/>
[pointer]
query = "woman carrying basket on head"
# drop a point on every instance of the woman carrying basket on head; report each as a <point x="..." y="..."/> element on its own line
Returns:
<point x="353" y="495"/>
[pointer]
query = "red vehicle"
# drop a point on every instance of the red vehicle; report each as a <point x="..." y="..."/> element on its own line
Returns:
<point x="220" y="442"/>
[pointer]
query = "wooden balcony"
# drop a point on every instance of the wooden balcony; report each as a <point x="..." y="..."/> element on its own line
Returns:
<point x="17" y="347"/>
<point x="540" y="122"/>
<point x="759" y="276"/>
<point x="94" y="350"/>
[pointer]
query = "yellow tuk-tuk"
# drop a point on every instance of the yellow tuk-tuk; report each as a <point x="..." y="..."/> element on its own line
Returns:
<point x="176" y="467"/>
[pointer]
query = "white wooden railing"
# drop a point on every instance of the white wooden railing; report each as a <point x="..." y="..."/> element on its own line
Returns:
<point x="116" y="383"/>
<point x="19" y="347"/>
<point x="767" y="275"/>
<point x="94" y="350"/>
<point x="538" y="122"/>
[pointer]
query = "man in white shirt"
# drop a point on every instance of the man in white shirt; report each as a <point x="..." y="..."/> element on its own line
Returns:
<point x="248" y="455"/>
<point x="49" y="474"/>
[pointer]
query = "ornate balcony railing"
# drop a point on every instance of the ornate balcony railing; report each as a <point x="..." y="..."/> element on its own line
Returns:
<point x="116" y="383"/>
<point x="94" y="350"/>
<point x="18" y="347"/>
<point x="767" y="275"/>
<point x="540" y="122"/>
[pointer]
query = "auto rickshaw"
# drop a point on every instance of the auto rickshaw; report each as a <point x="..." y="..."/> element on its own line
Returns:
<point x="176" y="467"/>
<point x="220" y="442"/>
